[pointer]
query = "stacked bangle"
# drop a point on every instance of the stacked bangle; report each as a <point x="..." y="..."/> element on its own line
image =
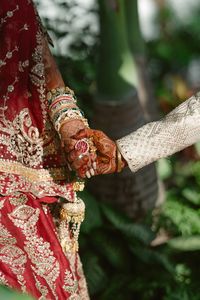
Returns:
<point x="65" y="112"/>
<point x="56" y="109"/>
<point x="66" y="115"/>
<point x="60" y="91"/>
<point x="58" y="103"/>
<point x="62" y="107"/>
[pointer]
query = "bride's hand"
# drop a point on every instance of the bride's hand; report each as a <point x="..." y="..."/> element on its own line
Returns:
<point x="104" y="160"/>
<point x="78" y="152"/>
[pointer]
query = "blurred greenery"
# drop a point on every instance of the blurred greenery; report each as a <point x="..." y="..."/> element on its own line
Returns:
<point x="8" y="294"/>
<point x="158" y="258"/>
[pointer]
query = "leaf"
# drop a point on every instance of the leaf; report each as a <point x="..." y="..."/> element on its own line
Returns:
<point x="197" y="147"/>
<point x="191" y="195"/>
<point x="164" y="168"/>
<point x="95" y="275"/>
<point x="116" y="217"/>
<point x="112" y="248"/>
<point x="117" y="288"/>
<point x="152" y="257"/>
<point x="191" y="243"/>
<point x="139" y="232"/>
<point x="185" y="218"/>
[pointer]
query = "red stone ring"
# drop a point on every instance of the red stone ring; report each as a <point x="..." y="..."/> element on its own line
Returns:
<point x="82" y="146"/>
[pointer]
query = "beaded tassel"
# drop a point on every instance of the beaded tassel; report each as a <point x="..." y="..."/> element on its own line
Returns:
<point x="72" y="215"/>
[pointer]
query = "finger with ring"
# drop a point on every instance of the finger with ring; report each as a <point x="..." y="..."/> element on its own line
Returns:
<point x="74" y="155"/>
<point x="82" y="146"/>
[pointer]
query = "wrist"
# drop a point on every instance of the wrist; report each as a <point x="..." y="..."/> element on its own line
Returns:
<point x="63" y="109"/>
<point x="71" y="127"/>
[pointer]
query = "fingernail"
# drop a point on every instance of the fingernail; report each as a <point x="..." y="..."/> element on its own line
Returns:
<point x="94" y="165"/>
<point x="88" y="174"/>
<point x="92" y="172"/>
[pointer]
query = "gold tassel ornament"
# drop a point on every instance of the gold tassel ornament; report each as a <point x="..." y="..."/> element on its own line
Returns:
<point x="72" y="214"/>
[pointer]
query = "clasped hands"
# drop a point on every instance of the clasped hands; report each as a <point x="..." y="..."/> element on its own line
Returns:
<point x="90" y="152"/>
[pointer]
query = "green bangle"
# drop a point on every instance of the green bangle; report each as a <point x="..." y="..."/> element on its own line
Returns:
<point x="64" y="112"/>
<point x="54" y="93"/>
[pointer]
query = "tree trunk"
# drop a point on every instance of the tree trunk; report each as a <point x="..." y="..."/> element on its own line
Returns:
<point x="117" y="111"/>
<point x="137" y="47"/>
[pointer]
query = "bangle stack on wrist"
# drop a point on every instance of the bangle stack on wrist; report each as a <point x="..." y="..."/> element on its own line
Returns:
<point x="54" y="94"/>
<point x="62" y="107"/>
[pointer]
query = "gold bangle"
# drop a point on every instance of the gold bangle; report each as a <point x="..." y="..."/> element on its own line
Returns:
<point x="71" y="114"/>
<point x="69" y="105"/>
<point x="59" y="91"/>
<point x="119" y="161"/>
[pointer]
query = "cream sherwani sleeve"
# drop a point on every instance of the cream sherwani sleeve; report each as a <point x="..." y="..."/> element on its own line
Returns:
<point x="178" y="130"/>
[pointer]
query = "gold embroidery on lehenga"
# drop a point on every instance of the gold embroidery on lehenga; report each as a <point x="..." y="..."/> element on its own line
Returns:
<point x="75" y="297"/>
<point x="16" y="259"/>
<point x="2" y="203"/>
<point x="71" y="285"/>
<point x="11" y="255"/>
<point x="25" y="143"/>
<point x="5" y="237"/>
<point x="32" y="175"/>
<point x="10" y="183"/>
<point x="41" y="288"/>
<point x="37" y="74"/>
<point x="83" y="290"/>
<point x="43" y="261"/>
<point x="18" y="199"/>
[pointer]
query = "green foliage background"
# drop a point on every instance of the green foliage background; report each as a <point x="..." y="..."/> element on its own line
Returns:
<point x="158" y="258"/>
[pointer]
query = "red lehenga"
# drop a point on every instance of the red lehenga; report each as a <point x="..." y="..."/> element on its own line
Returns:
<point x="32" y="165"/>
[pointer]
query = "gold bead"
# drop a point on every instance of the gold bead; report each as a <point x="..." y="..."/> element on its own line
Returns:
<point x="78" y="186"/>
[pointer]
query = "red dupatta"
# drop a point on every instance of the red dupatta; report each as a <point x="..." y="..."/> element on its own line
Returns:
<point x="30" y="154"/>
